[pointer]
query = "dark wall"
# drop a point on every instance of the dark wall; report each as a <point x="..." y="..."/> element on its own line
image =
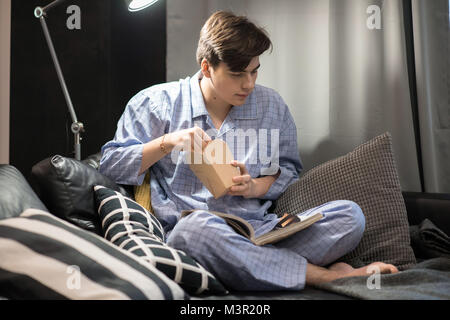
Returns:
<point x="114" y="55"/>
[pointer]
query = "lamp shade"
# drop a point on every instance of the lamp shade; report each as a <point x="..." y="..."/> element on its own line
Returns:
<point x="136" y="5"/>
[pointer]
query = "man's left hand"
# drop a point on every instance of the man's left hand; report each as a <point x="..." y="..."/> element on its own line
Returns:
<point x="246" y="184"/>
<point x="249" y="187"/>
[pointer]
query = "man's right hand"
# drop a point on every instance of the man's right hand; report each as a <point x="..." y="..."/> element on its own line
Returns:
<point x="188" y="139"/>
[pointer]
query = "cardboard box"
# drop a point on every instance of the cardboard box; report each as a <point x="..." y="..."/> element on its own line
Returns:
<point x="213" y="167"/>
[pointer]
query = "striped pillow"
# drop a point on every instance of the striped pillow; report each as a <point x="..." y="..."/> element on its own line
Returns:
<point x="44" y="257"/>
<point x="131" y="227"/>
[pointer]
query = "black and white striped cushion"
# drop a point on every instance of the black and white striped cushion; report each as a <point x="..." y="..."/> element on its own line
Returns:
<point x="131" y="227"/>
<point x="44" y="257"/>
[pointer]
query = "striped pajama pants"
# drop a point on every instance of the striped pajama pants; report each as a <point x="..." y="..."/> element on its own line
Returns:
<point x="241" y="265"/>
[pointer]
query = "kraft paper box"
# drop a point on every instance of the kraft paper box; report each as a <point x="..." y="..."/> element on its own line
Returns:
<point x="213" y="167"/>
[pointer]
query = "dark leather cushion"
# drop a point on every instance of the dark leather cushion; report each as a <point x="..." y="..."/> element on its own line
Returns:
<point x="66" y="186"/>
<point x="432" y="206"/>
<point x="16" y="194"/>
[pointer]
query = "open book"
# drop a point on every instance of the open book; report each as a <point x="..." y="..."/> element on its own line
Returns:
<point x="213" y="167"/>
<point x="288" y="225"/>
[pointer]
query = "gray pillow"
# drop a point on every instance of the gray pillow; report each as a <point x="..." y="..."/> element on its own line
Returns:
<point x="368" y="176"/>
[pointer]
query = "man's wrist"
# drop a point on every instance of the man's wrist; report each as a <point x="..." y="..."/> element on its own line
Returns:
<point x="168" y="142"/>
<point x="262" y="184"/>
<point x="162" y="146"/>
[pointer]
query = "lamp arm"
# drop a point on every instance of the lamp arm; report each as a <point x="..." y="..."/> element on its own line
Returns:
<point x="76" y="126"/>
<point x="52" y="4"/>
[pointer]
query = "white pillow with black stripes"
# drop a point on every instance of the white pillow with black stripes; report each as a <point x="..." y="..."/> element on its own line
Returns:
<point x="130" y="226"/>
<point x="45" y="257"/>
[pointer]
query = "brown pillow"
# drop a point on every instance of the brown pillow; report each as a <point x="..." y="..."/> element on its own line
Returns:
<point x="368" y="176"/>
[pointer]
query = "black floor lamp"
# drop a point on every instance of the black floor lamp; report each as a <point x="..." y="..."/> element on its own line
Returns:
<point x="41" y="13"/>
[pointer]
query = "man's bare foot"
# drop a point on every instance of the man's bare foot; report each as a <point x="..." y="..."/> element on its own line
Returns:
<point x="316" y="274"/>
<point x="344" y="270"/>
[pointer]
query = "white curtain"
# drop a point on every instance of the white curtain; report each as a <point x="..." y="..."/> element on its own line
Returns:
<point x="431" y="21"/>
<point x="343" y="82"/>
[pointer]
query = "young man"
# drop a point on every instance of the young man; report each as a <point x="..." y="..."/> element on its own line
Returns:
<point x="222" y="101"/>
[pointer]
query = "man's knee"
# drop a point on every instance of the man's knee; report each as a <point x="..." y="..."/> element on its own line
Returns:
<point x="192" y="231"/>
<point x="356" y="216"/>
<point x="347" y="221"/>
<point x="346" y="212"/>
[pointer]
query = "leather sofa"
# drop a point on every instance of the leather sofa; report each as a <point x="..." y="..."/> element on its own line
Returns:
<point x="17" y="195"/>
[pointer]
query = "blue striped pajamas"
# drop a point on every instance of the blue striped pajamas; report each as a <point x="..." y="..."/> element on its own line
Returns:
<point x="241" y="265"/>
<point x="262" y="134"/>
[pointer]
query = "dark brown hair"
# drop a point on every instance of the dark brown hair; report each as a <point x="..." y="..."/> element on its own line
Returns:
<point x="231" y="39"/>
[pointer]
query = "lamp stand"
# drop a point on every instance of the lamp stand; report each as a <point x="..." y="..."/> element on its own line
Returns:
<point x="76" y="127"/>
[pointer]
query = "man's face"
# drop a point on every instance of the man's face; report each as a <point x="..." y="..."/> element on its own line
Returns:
<point x="234" y="87"/>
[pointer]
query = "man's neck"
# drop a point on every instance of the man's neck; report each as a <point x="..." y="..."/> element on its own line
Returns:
<point x="216" y="107"/>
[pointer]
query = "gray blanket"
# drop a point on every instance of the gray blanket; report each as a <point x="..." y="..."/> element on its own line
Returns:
<point x="428" y="280"/>
<point x="428" y="241"/>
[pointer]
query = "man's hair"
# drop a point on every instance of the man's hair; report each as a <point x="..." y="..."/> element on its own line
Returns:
<point x="231" y="39"/>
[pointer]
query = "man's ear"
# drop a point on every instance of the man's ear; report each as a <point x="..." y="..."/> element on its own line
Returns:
<point x="205" y="67"/>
